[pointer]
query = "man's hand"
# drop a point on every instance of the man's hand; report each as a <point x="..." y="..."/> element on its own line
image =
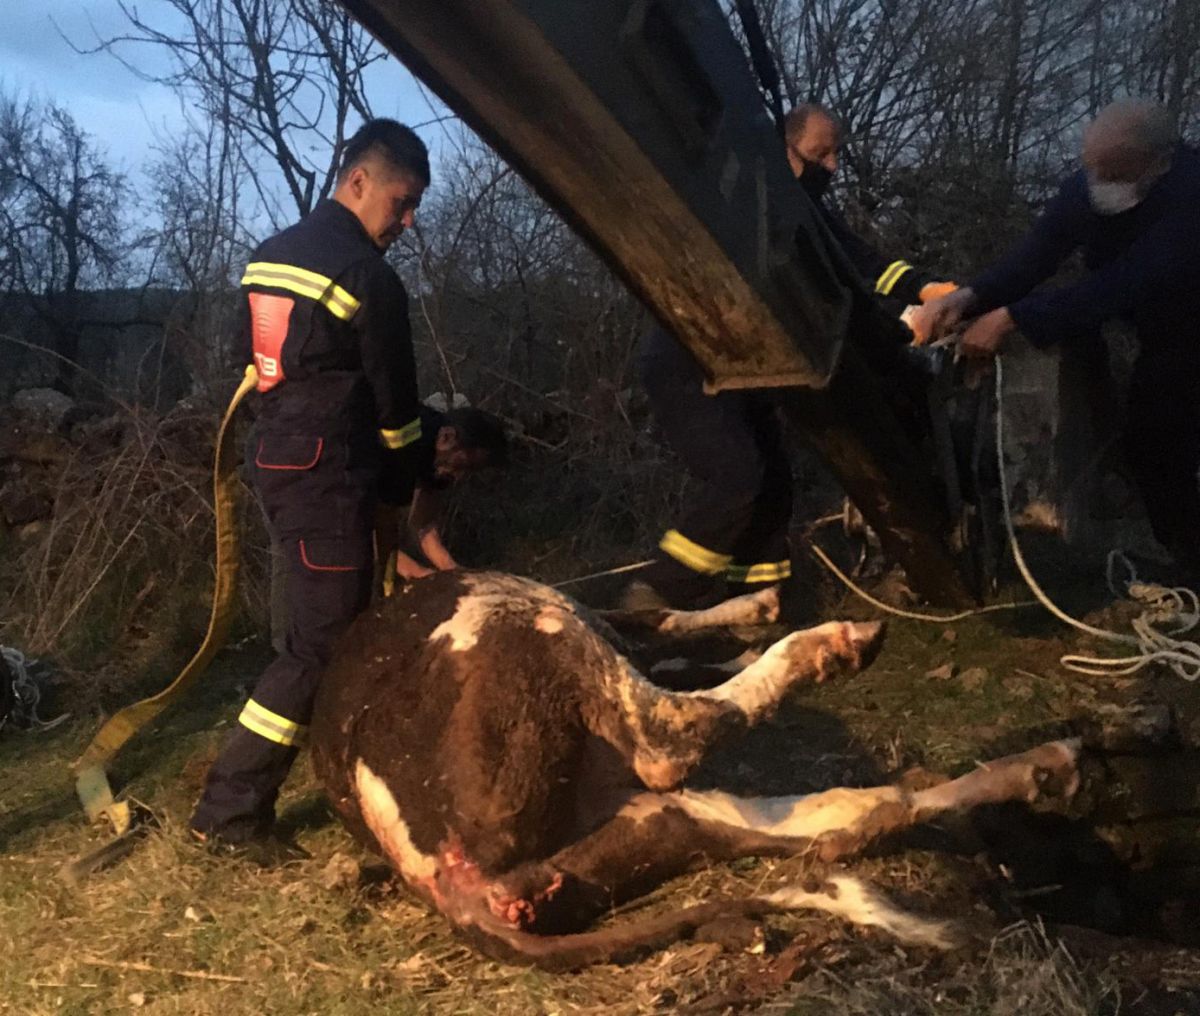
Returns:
<point x="410" y="570"/>
<point x="939" y="316"/>
<point x="435" y="551"/>
<point x="985" y="334"/>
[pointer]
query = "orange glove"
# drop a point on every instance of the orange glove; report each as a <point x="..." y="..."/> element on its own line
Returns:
<point x="936" y="290"/>
<point x="941" y="309"/>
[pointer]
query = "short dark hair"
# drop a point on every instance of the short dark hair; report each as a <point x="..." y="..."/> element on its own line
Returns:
<point x="480" y="431"/>
<point x="391" y="141"/>
<point x="797" y="119"/>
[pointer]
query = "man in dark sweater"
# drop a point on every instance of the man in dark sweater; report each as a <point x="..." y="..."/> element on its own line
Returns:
<point x="1134" y="212"/>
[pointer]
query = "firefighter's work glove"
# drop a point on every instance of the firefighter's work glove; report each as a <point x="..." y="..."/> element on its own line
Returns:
<point x="919" y="323"/>
<point x="936" y="290"/>
<point x="941" y="315"/>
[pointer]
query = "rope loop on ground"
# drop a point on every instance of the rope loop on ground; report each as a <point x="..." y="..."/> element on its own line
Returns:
<point x="1166" y="612"/>
<point x="26" y="693"/>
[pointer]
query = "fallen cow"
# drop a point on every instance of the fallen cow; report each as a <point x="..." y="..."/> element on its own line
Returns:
<point x="486" y="735"/>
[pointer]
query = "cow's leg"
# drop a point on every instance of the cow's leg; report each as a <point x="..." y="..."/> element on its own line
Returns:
<point x="653" y="839"/>
<point x="663" y="735"/>
<point x="678" y="673"/>
<point x="759" y="607"/>
<point x="813" y="655"/>
<point x="842" y="821"/>
<point x="657" y="836"/>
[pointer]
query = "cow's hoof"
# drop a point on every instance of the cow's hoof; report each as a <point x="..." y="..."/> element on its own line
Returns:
<point x="866" y="638"/>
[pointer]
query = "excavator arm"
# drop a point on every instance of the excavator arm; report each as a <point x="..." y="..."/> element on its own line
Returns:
<point x="641" y="123"/>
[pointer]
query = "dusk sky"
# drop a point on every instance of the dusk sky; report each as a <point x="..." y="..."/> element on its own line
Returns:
<point x="123" y="113"/>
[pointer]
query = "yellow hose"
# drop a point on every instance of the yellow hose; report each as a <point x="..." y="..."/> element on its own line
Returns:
<point x="91" y="777"/>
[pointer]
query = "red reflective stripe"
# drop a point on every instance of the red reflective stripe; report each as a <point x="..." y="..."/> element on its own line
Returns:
<point x="269" y="316"/>
<point x="307" y="465"/>
<point x="322" y="567"/>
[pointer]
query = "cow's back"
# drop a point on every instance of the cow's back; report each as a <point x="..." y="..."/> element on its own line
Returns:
<point x="460" y="694"/>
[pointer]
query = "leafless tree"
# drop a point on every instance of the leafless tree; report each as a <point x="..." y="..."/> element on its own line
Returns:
<point x="281" y="78"/>
<point x="61" y="231"/>
<point x="962" y="117"/>
<point x="203" y="238"/>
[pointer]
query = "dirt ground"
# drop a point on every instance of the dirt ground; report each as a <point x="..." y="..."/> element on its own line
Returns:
<point x="1060" y="925"/>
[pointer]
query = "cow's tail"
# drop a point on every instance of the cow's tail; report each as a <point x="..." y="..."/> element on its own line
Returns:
<point x="841" y="895"/>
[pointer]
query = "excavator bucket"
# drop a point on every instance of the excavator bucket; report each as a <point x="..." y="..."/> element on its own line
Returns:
<point x="640" y="122"/>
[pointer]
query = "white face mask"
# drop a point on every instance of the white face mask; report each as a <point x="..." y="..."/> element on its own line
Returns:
<point x="1115" y="196"/>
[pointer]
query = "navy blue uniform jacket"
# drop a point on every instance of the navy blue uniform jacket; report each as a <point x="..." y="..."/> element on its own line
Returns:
<point x="1143" y="265"/>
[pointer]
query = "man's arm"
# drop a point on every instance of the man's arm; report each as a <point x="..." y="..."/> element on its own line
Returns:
<point x="1164" y="260"/>
<point x="1034" y="258"/>
<point x="385" y="338"/>
<point x="887" y="276"/>
<point x="425" y="522"/>
<point x="390" y="558"/>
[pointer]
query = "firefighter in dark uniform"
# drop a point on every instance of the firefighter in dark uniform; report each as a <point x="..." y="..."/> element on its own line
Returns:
<point x="736" y="526"/>
<point x="338" y="420"/>
<point x="454" y="444"/>
<point x="1134" y="211"/>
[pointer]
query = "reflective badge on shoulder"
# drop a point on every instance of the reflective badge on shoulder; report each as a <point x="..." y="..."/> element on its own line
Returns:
<point x="269" y="316"/>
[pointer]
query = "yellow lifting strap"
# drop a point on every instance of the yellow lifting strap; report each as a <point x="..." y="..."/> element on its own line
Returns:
<point x="91" y="778"/>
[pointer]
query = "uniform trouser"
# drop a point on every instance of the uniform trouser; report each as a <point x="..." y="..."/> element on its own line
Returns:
<point x="278" y="591"/>
<point x="319" y="504"/>
<point x="739" y="503"/>
<point x="1162" y="446"/>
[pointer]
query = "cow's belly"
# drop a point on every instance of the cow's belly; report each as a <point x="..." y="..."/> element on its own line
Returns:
<point x="447" y="730"/>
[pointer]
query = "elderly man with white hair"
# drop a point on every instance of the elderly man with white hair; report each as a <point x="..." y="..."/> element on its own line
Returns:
<point x="1134" y="212"/>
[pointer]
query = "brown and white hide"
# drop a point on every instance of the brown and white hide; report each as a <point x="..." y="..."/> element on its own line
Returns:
<point x="484" y="733"/>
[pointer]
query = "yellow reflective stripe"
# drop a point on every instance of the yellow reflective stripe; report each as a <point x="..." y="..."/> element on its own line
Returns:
<point x="324" y="290"/>
<point x="271" y="725"/>
<point x="692" y="555"/>
<point x="406" y="435"/>
<point x="767" y="571"/>
<point x="891" y="275"/>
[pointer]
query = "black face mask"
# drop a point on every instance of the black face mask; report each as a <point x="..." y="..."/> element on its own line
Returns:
<point x="815" y="179"/>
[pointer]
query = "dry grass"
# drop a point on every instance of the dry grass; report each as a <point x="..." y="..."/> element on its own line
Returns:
<point x="123" y="568"/>
<point x="172" y="930"/>
<point x="1025" y="972"/>
<point x="117" y="587"/>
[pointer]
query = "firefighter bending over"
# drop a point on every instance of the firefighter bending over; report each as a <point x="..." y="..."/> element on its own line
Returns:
<point x="337" y="428"/>
<point x="454" y="443"/>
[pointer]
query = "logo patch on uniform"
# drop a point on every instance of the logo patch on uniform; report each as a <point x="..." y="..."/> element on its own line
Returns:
<point x="269" y="316"/>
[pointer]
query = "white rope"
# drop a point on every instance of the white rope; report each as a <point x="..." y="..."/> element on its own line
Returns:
<point x="911" y="614"/>
<point x="602" y="574"/>
<point x="1176" y="609"/>
<point x="1167" y="612"/>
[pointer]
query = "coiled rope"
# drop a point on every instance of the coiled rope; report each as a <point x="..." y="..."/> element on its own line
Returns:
<point x="1166" y="612"/>
<point x="26" y="693"/>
